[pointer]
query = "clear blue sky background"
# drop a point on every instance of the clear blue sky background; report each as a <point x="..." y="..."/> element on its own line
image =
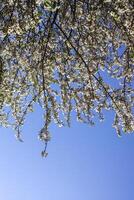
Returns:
<point x="84" y="163"/>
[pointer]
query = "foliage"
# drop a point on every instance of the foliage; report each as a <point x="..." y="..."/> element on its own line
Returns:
<point x="66" y="55"/>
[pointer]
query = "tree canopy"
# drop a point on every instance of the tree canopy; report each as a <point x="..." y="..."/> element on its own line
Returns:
<point x="66" y="55"/>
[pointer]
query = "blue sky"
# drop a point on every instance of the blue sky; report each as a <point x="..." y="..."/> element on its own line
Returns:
<point x="83" y="163"/>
